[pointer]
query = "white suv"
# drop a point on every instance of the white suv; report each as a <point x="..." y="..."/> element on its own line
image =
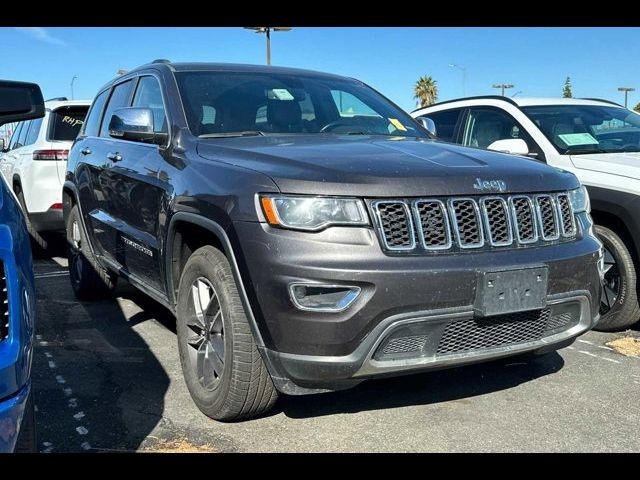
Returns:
<point x="35" y="160"/>
<point x="597" y="140"/>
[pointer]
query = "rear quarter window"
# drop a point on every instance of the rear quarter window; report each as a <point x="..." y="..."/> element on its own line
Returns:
<point x="66" y="122"/>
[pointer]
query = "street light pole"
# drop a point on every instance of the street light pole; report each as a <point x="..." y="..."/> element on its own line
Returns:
<point x="626" y="91"/>
<point x="464" y="77"/>
<point x="267" y="31"/>
<point x="502" y="86"/>
<point x="72" y="80"/>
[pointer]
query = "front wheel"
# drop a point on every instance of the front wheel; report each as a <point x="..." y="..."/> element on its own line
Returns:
<point x="619" y="308"/>
<point x="222" y="367"/>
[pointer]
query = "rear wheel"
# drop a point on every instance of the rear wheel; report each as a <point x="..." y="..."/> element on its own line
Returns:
<point x="619" y="308"/>
<point x="88" y="279"/>
<point x="222" y="367"/>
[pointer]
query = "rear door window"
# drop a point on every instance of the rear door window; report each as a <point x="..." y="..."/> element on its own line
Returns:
<point x="66" y="123"/>
<point x="92" y="123"/>
<point x="34" y="131"/>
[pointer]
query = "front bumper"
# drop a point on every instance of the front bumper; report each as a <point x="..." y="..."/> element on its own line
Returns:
<point x="11" y="414"/>
<point x="322" y="350"/>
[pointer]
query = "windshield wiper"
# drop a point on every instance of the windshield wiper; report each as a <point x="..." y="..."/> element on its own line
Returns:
<point x="582" y="151"/>
<point x="247" y="133"/>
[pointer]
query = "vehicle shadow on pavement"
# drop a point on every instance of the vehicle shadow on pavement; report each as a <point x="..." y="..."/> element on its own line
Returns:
<point x="98" y="386"/>
<point x="459" y="384"/>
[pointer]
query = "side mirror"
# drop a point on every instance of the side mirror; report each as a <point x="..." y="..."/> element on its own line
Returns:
<point x="20" y="101"/>
<point x="515" y="146"/>
<point x="428" y="124"/>
<point x="136" y="124"/>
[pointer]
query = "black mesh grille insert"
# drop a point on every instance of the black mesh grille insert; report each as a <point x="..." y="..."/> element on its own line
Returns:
<point x="396" y="226"/>
<point x="525" y="220"/>
<point x="547" y="217"/>
<point x="466" y="222"/>
<point x="4" y="305"/>
<point x="433" y="221"/>
<point x="491" y="332"/>
<point x="566" y="215"/>
<point x="497" y="215"/>
<point x="405" y="344"/>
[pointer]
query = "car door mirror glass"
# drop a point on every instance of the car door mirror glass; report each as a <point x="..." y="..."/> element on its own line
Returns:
<point x="428" y="124"/>
<point x="514" y="146"/>
<point x="135" y="124"/>
<point x="20" y="101"/>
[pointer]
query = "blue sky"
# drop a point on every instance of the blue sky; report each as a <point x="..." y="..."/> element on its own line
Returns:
<point x="535" y="60"/>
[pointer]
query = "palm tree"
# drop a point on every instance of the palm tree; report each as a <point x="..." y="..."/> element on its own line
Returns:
<point x="425" y="91"/>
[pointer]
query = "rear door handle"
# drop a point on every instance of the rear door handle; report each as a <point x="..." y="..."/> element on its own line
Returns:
<point x="85" y="151"/>
<point x="114" y="156"/>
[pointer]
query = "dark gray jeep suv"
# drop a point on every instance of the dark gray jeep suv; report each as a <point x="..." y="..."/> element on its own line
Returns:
<point x="308" y="234"/>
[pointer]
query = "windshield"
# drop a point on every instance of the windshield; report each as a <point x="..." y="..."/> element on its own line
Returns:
<point x="218" y="104"/>
<point x="583" y="129"/>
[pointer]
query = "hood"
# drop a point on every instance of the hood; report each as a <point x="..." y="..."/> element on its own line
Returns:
<point x="621" y="164"/>
<point x="368" y="166"/>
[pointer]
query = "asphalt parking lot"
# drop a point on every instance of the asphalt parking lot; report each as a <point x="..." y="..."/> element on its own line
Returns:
<point x="107" y="378"/>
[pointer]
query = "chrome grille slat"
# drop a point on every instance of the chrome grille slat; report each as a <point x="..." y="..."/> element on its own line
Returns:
<point x="547" y="217"/>
<point x="496" y="218"/>
<point x="467" y="225"/>
<point x="433" y="224"/>
<point x="567" y="218"/>
<point x="498" y="221"/>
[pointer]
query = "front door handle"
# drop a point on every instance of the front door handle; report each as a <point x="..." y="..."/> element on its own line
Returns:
<point x="114" y="156"/>
<point x="85" y="151"/>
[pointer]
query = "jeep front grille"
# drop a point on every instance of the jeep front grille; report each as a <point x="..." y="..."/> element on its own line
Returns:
<point x="432" y="224"/>
<point x="4" y="304"/>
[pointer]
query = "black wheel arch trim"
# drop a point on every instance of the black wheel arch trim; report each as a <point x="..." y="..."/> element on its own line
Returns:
<point x="234" y="260"/>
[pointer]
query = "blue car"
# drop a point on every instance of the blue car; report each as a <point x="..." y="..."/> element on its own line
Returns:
<point x="18" y="102"/>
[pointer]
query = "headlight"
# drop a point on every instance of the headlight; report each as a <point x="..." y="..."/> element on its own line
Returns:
<point x="313" y="213"/>
<point x="579" y="199"/>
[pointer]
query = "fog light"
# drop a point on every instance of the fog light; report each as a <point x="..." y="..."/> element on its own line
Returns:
<point x="322" y="298"/>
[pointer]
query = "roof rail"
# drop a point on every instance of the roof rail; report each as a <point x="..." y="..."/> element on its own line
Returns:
<point x="161" y="60"/>
<point x="58" y="99"/>
<point x="479" y="97"/>
<point x="601" y="100"/>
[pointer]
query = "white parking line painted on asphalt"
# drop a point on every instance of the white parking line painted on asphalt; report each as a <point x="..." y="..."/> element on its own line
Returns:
<point x="609" y="360"/>
<point x="61" y="273"/>
<point x="588" y="353"/>
<point x="605" y="348"/>
<point x="585" y="341"/>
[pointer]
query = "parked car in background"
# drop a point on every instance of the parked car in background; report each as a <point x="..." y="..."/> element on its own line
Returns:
<point x="308" y="234"/>
<point x="597" y="140"/>
<point x="35" y="160"/>
<point x="18" y="102"/>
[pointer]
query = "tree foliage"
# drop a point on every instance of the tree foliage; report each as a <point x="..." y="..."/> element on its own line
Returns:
<point x="425" y="91"/>
<point x="566" y="90"/>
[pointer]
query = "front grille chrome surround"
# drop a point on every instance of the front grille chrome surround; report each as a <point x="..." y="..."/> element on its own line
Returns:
<point x="464" y="223"/>
<point x="547" y="213"/>
<point x="433" y="224"/>
<point x="496" y="218"/>
<point x="397" y="226"/>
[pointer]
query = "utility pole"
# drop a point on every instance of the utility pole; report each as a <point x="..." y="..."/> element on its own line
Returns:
<point x="502" y="86"/>
<point x="72" y="80"/>
<point x="267" y="31"/>
<point x="626" y="91"/>
<point x="464" y="77"/>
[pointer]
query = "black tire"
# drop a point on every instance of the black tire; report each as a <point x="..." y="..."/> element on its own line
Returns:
<point x="39" y="243"/>
<point x="622" y="310"/>
<point x="27" y="442"/>
<point x="89" y="280"/>
<point x="222" y="367"/>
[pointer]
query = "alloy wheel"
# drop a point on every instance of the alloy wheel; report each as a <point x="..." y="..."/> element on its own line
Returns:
<point x="611" y="283"/>
<point x="206" y="335"/>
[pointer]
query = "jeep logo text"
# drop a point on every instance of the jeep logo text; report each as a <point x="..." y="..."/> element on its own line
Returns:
<point x="498" y="185"/>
